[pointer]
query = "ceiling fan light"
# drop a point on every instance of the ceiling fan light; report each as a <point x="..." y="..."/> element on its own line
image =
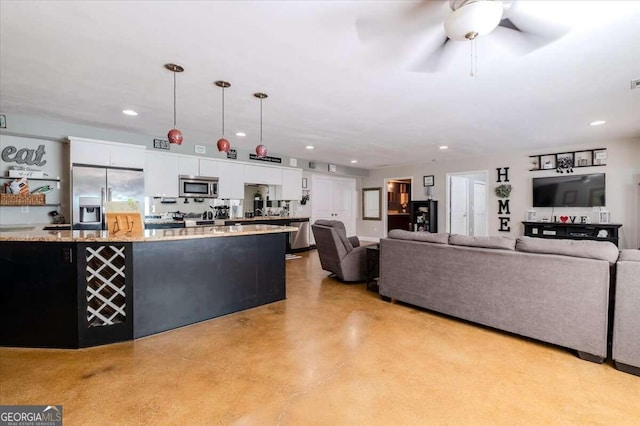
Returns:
<point x="473" y="19"/>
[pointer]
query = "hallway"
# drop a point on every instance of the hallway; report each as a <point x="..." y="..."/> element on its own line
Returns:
<point x="330" y="354"/>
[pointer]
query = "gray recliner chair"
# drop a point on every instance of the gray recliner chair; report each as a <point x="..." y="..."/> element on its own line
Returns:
<point x="339" y="254"/>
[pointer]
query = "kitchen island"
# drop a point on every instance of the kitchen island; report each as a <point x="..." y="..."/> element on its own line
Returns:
<point x="73" y="289"/>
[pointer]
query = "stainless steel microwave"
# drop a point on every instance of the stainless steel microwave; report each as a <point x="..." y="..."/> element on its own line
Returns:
<point x="198" y="186"/>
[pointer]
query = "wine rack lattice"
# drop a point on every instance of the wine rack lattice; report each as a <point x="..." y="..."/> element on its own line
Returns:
<point x="106" y="298"/>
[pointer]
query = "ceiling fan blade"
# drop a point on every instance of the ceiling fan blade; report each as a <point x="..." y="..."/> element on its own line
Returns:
<point x="434" y="61"/>
<point x="402" y="19"/>
<point x="506" y="23"/>
<point x="535" y="31"/>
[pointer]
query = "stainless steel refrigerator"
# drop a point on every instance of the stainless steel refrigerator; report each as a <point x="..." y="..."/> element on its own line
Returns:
<point x="92" y="187"/>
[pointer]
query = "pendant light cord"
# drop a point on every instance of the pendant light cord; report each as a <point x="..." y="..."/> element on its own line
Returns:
<point x="260" y="120"/>
<point x="223" y="111"/>
<point x="174" y="99"/>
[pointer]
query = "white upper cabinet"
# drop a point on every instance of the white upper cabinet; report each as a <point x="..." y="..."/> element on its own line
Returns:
<point x="160" y="175"/>
<point x="188" y="166"/>
<point x="209" y="168"/>
<point x="291" y="188"/>
<point x="231" y="180"/>
<point x="263" y="175"/>
<point x="104" y="153"/>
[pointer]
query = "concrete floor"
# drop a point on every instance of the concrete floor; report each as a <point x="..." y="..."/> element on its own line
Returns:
<point x="331" y="354"/>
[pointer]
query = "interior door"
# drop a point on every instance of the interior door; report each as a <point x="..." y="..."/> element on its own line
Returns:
<point x="459" y="205"/>
<point x="334" y="199"/>
<point x="479" y="208"/>
<point x="323" y="199"/>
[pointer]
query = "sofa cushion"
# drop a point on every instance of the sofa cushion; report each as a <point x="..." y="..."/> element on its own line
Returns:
<point x="501" y="243"/>
<point x="601" y="250"/>
<point x="630" y="255"/>
<point x="427" y="237"/>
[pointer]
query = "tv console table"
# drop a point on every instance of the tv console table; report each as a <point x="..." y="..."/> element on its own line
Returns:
<point x="573" y="231"/>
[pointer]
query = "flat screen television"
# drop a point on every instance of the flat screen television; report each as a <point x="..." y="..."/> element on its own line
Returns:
<point x="569" y="191"/>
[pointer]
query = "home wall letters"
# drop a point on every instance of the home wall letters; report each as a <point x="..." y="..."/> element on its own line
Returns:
<point x="503" y="191"/>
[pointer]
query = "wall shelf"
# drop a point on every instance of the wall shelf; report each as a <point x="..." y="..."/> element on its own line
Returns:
<point x="569" y="160"/>
<point x="30" y="205"/>
<point x="29" y="178"/>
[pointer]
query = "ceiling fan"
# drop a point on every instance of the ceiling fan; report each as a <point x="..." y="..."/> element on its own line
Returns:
<point x="457" y="20"/>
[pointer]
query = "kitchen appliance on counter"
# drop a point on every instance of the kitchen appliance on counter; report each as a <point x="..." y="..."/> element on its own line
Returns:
<point x="198" y="186"/>
<point x="94" y="186"/>
<point x="222" y="212"/>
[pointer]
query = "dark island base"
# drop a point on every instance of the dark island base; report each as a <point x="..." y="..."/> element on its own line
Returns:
<point x="73" y="295"/>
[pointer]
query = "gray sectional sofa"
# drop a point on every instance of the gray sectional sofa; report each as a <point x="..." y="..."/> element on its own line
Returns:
<point x="626" y="322"/>
<point x="556" y="291"/>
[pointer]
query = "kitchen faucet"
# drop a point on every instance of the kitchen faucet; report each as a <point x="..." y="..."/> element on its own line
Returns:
<point x="256" y="211"/>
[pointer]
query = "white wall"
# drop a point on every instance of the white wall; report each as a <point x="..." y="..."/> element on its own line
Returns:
<point x="622" y="179"/>
<point x="56" y="156"/>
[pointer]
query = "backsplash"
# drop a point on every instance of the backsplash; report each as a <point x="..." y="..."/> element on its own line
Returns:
<point x="155" y="206"/>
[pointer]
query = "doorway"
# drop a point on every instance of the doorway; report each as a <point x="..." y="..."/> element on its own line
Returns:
<point x="399" y="195"/>
<point x="467" y="203"/>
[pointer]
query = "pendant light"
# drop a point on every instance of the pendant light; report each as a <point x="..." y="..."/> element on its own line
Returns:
<point x="174" y="135"/>
<point x="261" y="150"/>
<point x="223" y="144"/>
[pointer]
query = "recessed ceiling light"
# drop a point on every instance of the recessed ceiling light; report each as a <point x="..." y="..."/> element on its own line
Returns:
<point x="444" y="147"/>
<point x="241" y="134"/>
<point x="597" y="123"/>
<point x="354" y="161"/>
<point x="129" y="112"/>
<point x="310" y="147"/>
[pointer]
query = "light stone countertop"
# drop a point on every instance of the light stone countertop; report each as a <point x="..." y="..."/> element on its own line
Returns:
<point x="148" y="234"/>
<point x="245" y="219"/>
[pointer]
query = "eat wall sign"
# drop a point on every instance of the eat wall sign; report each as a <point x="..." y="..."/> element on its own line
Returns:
<point x="30" y="157"/>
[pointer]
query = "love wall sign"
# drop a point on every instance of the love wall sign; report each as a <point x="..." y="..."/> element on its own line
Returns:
<point x="27" y="156"/>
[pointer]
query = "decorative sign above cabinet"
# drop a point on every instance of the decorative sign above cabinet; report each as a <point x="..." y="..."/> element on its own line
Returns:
<point x="160" y="144"/>
<point x="265" y="158"/>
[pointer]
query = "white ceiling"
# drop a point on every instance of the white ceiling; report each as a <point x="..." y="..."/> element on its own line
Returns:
<point x="86" y="61"/>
